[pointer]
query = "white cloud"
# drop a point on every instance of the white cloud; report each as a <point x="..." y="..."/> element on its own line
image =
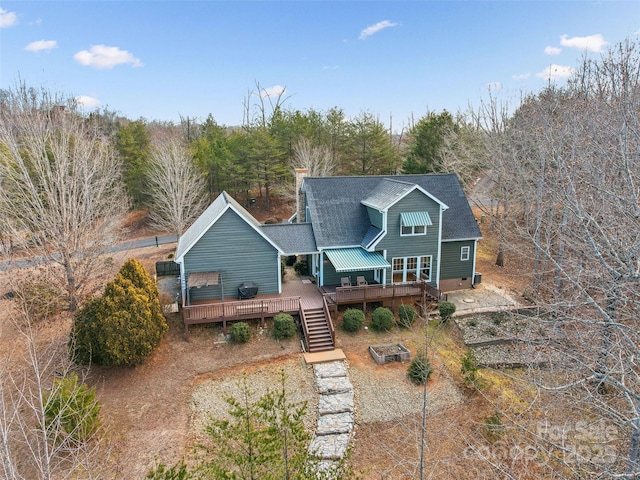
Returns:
<point x="552" y="50"/>
<point x="593" y="43"/>
<point x="556" y="72"/>
<point x="272" y="91"/>
<point x="521" y="76"/>
<point x="41" y="45"/>
<point x="373" y="29"/>
<point x="103" y="57"/>
<point x="88" y="102"/>
<point x="8" y="19"/>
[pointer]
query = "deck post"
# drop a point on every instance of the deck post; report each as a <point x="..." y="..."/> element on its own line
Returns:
<point x="262" y="313"/>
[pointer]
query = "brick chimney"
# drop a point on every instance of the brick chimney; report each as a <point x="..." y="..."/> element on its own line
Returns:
<point x="300" y="196"/>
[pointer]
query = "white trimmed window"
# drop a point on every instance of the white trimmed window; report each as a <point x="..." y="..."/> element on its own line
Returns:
<point x="465" y="253"/>
<point x="414" y="223"/>
<point x="409" y="269"/>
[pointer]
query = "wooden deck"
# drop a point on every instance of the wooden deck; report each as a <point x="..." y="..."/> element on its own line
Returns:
<point x="380" y="293"/>
<point x="300" y="295"/>
<point x="297" y="294"/>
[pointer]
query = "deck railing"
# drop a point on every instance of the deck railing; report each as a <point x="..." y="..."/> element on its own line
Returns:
<point x="305" y="328"/>
<point x="375" y="292"/>
<point x="229" y="311"/>
<point x="325" y="307"/>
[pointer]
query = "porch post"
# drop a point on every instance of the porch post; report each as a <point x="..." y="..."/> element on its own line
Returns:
<point x="384" y="270"/>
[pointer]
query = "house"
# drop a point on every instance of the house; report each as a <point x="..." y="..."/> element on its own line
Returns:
<point x="376" y="229"/>
<point x="391" y="229"/>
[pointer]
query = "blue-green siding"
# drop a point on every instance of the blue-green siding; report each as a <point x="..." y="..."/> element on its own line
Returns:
<point x="452" y="266"/>
<point x="375" y="217"/>
<point x="412" y="246"/>
<point x="231" y="246"/>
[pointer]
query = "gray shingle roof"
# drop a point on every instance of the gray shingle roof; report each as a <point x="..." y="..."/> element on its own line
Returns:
<point x="340" y="218"/>
<point x="387" y="192"/>
<point x="292" y="238"/>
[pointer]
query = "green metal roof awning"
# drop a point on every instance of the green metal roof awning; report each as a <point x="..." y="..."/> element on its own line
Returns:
<point x="415" y="219"/>
<point x="350" y="259"/>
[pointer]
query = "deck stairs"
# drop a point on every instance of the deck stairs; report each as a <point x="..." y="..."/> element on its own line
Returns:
<point x="317" y="329"/>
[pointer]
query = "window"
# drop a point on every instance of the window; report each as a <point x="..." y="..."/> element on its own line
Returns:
<point x="465" y="253"/>
<point x="409" y="269"/>
<point x="425" y="268"/>
<point x="414" y="223"/>
<point x="407" y="230"/>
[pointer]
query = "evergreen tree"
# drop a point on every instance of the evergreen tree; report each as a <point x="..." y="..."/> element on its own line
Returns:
<point x="123" y="326"/>
<point x="71" y="411"/>
<point x="133" y="144"/>
<point x="427" y="142"/>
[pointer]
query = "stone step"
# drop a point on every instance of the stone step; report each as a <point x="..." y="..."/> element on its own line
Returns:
<point x="335" y="423"/>
<point x="336" y="403"/>
<point x="332" y="385"/>
<point x="330" y="447"/>
<point x="330" y="369"/>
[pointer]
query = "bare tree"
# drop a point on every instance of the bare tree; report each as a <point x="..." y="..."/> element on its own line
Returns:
<point x="317" y="160"/>
<point x="37" y="441"/>
<point x="580" y="168"/>
<point x="176" y="186"/>
<point x="61" y="186"/>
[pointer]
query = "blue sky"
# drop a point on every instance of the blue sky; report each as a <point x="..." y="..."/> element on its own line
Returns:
<point x="163" y="59"/>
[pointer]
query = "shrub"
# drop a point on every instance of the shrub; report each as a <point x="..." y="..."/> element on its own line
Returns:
<point x="446" y="309"/>
<point x="469" y="369"/>
<point x="38" y="297"/>
<point x="498" y="318"/>
<point x="406" y="315"/>
<point x="419" y="369"/>
<point x="300" y="268"/>
<point x="240" y="332"/>
<point x="124" y="325"/>
<point x="382" y="319"/>
<point x="283" y="326"/>
<point x="352" y="320"/>
<point x="290" y="260"/>
<point x="493" y="426"/>
<point x="71" y="410"/>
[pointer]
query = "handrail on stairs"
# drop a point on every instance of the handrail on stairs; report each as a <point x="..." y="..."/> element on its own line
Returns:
<point x="325" y="308"/>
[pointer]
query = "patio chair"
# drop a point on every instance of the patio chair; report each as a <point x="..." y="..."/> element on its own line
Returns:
<point x="345" y="282"/>
<point x="362" y="282"/>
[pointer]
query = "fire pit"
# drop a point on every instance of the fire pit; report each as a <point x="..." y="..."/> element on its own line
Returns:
<point x="390" y="352"/>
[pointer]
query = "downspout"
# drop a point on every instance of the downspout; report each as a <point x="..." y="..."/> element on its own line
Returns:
<point x="473" y="271"/>
<point x="183" y="285"/>
<point x="439" y="248"/>
<point x="278" y="263"/>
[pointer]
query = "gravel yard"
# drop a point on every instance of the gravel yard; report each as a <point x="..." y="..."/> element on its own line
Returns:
<point x="382" y="392"/>
<point x="208" y="399"/>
